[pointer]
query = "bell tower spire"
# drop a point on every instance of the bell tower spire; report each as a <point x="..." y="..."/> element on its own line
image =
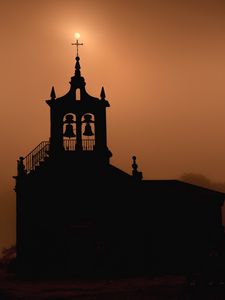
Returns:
<point x="77" y="44"/>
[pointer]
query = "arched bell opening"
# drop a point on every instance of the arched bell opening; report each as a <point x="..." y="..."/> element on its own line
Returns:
<point x="88" y="132"/>
<point x="69" y="132"/>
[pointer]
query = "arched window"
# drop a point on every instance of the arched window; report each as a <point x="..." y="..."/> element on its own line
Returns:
<point x="88" y="132"/>
<point x="69" y="132"/>
<point x="77" y="94"/>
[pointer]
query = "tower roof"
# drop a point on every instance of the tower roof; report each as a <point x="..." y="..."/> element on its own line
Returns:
<point x="77" y="82"/>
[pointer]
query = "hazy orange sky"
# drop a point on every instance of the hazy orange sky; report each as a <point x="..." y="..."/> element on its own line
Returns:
<point x="162" y="64"/>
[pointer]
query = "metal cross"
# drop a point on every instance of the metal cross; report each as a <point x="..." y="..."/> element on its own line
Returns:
<point x="77" y="44"/>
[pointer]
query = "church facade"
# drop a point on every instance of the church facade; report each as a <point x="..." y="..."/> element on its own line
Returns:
<point x="77" y="214"/>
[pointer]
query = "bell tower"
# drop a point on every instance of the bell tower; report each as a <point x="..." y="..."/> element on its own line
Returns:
<point x="78" y="121"/>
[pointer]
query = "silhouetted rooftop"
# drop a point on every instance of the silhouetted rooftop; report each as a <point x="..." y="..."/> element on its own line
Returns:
<point x="177" y="186"/>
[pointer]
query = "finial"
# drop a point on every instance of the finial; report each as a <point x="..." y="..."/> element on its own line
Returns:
<point x="20" y="166"/>
<point x="77" y="67"/>
<point x="53" y="95"/>
<point x="102" y="94"/>
<point x="136" y="174"/>
<point x="134" y="165"/>
<point x="77" y="44"/>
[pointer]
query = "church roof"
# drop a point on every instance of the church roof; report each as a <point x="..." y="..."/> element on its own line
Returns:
<point x="118" y="172"/>
<point x="180" y="187"/>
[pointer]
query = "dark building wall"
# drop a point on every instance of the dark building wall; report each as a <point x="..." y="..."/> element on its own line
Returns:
<point x="80" y="220"/>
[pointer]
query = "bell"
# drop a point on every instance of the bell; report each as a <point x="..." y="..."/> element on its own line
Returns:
<point x="87" y="130"/>
<point x="69" y="131"/>
<point x="69" y="119"/>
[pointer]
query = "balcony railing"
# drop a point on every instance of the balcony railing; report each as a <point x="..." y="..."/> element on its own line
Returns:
<point x="87" y="144"/>
<point x="35" y="157"/>
<point x="69" y="145"/>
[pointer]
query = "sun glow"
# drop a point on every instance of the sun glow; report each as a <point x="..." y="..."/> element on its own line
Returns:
<point x="77" y="35"/>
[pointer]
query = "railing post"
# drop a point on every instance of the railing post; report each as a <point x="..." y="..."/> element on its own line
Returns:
<point x="78" y="133"/>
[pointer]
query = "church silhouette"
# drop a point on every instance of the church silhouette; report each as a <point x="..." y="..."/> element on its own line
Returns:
<point x="78" y="215"/>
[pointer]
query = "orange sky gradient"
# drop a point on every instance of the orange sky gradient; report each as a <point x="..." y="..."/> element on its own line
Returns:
<point x="162" y="64"/>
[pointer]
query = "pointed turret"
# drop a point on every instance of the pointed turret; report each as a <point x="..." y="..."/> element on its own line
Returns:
<point x="102" y="94"/>
<point x="53" y="95"/>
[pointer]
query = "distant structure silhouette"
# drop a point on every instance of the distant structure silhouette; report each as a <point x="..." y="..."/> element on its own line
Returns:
<point x="78" y="215"/>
